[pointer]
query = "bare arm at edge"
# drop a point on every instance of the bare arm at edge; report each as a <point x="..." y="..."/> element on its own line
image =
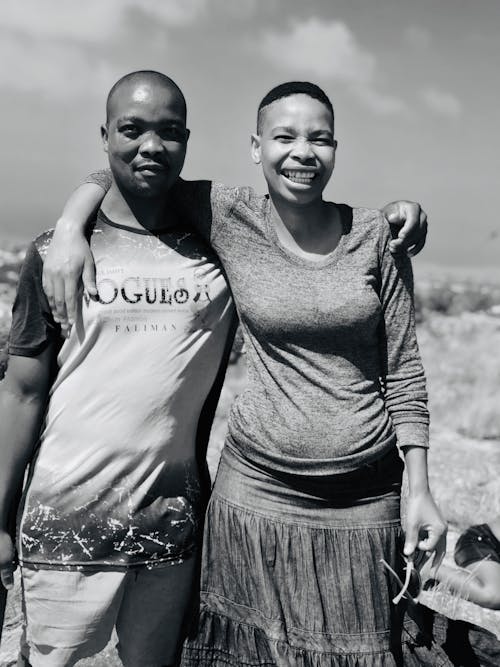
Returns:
<point x="23" y="398"/>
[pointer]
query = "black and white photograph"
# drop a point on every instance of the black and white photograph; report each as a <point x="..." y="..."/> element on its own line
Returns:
<point x="250" y="333"/>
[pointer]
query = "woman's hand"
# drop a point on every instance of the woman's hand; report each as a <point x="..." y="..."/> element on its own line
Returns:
<point x="68" y="264"/>
<point x="412" y="220"/>
<point x="425" y="527"/>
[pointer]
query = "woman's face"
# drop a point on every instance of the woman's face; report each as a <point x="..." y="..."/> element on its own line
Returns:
<point x="296" y="148"/>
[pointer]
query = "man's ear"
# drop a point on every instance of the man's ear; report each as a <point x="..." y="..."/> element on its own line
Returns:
<point x="104" y="137"/>
<point x="188" y="134"/>
<point x="255" y="148"/>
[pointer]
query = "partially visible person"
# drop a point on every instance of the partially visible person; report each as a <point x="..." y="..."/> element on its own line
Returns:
<point x="115" y="419"/>
<point x="477" y="553"/>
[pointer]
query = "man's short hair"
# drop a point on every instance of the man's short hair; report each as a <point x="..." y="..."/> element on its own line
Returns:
<point x="293" y="88"/>
<point x="144" y="75"/>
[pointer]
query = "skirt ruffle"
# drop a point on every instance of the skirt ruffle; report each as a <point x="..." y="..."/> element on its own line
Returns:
<point x="222" y="642"/>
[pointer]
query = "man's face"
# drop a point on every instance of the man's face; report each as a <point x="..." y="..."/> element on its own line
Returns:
<point x="296" y="148"/>
<point x="146" y="138"/>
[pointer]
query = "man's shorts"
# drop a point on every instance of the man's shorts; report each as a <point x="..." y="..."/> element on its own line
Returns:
<point x="70" y="615"/>
<point x="475" y="544"/>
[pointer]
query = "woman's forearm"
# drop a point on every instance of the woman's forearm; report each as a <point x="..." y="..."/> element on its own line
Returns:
<point x="81" y="207"/>
<point x="416" y="468"/>
<point x="425" y="527"/>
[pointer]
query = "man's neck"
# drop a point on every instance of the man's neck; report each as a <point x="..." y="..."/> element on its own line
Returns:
<point x="140" y="212"/>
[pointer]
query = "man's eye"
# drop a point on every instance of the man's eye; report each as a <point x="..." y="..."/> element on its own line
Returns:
<point x="283" y="138"/>
<point x="130" y="131"/>
<point x="172" y="134"/>
<point x="322" y="141"/>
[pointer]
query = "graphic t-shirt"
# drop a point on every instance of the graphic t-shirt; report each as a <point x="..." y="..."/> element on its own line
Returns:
<point x="115" y="482"/>
<point x="334" y="371"/>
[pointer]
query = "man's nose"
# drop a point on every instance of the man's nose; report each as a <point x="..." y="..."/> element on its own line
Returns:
<point x="151" y="143"/>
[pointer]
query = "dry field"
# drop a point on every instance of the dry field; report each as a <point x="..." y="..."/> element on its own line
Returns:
<point x="462" y="359"/>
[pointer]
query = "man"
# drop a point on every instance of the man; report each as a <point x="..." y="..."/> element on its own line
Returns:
<point x="111" y="514"/>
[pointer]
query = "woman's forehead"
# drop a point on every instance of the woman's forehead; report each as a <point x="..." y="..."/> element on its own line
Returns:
<point x="298" y="110"/>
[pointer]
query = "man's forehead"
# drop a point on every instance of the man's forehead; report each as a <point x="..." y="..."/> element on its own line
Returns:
<point x="146" y="93"/>
<point x="141" y="93"/>
<point x="138" y="98"/>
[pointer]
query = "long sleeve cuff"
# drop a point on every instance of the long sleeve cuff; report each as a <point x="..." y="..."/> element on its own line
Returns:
<point x="414" y="434"/>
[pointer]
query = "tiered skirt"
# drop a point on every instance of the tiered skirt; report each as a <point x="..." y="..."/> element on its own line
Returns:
<point x="292" y="576"/>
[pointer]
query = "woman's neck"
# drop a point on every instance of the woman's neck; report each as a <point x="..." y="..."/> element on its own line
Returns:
<point x="313" y="229"/>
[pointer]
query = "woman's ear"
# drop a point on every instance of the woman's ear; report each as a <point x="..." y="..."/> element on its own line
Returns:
<point x="256" y="148"/>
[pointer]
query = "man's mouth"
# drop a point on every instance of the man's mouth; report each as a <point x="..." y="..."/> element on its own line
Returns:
<point x="151" y="167"/>
<point x="298" y="176"/>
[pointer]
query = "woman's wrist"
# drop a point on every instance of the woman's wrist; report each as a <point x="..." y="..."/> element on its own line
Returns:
<point x="416" y="467"/>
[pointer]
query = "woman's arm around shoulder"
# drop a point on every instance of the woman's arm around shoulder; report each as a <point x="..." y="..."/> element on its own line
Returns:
<point x="69" y="260"/>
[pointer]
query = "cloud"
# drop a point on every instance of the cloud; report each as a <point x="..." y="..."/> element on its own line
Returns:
<point x="417" y="37"/>
<point x="91" y="20"/>
<point x="58" y="70"/>
<point x="441" y="102"/>
<point x="64" y="48"/>
<point x="320" y="48"/>
<point x="380" y="103"/>
<point x="329" y="50"/>
<point x="171" y="12"/>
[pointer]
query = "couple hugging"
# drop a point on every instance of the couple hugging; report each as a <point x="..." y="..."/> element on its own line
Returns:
<point x="112" y="414"/>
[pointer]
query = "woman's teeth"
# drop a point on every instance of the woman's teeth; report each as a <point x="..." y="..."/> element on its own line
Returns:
<point x="303" y="177"/>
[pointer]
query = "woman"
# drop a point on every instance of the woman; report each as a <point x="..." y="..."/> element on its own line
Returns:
<point x="306" y="500"/>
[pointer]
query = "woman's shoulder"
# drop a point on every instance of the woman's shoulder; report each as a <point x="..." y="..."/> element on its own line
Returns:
<point x="369" y="217"/>
<point x="365" y="223"/>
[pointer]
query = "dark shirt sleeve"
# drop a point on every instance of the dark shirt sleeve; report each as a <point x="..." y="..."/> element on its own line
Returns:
<point x="403" y="373"/>
<point x="33" y="327"/>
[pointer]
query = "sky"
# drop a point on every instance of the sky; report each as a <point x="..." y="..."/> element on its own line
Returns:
<point x="415" y="86"/>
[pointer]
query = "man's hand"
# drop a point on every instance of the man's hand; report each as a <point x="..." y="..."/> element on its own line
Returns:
<point x="412" y="220"/>
<point x="68" y="263"/>
<point x="7" y="560"/>
<point x="425" y="527"/>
